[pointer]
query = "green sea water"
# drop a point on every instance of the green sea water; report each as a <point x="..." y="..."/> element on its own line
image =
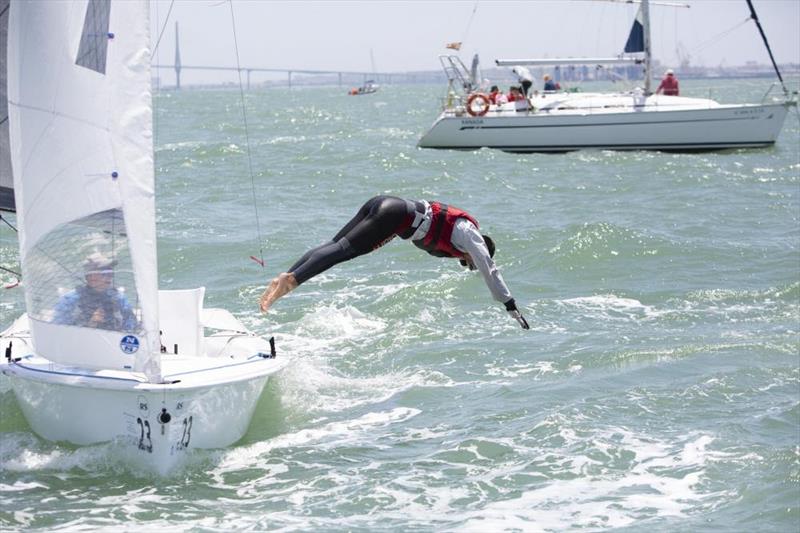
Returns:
<point x="657" y="390"/>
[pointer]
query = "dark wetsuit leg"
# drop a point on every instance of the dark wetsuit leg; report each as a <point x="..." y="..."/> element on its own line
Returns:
<point x="373" y="226"/>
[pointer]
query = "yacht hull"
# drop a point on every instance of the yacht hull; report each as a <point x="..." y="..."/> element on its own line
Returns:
<point x="678" y="130"/>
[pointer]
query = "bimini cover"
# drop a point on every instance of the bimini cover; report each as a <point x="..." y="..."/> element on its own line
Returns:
<point x="80" y="126"/>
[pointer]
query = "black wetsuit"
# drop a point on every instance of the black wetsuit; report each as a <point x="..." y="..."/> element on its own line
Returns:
<point x="378" y="221"/>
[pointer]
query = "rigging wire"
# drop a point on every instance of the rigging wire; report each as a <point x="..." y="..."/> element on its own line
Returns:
<point x="715" y="38"/>
<point x="4" y="269"/>
<point x="247" y="138"/>
<point x="7" y="222"/>
<point x="766" y="43"/>
<point x="158" y="86"/>
<point x="164" y="27"/>
<point x="469" y="24"/>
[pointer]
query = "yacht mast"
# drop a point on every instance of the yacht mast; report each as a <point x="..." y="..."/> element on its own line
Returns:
<point x="648" y="75"/>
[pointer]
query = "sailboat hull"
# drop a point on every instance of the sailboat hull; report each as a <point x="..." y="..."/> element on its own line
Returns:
<point x="566" y="130"/>
<point x="204" y="402"/>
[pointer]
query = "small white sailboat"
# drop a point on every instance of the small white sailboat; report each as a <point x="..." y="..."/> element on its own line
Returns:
<point x="634" y="120"/>
<point x="369" y="86"/>
<point x="102" y="354"/>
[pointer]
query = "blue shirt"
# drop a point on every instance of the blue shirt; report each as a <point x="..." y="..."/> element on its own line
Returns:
<point x="77" y="307"/>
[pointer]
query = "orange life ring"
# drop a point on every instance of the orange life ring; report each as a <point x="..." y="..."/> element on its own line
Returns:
<point x="484" y="106"/>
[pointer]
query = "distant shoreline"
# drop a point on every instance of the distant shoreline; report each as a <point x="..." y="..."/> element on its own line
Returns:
<point x="437" y="78"/>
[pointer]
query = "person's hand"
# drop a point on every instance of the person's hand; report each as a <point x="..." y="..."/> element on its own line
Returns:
<point x="511" y="308"/>
<point x="97" y="317"/>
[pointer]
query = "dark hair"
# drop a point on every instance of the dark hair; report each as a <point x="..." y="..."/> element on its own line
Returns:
<point x="494" y="88"/>
<point x="489" y="244"/>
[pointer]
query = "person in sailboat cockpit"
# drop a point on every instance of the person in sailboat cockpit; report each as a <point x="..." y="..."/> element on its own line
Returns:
<point x="97" y="303"/>
<point x="439" y="229"/>
<point x="669" y="84"/>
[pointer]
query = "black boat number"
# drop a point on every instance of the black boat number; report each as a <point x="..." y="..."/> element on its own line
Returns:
<point x="144" y="429"/>
<point x="187" y="433"/>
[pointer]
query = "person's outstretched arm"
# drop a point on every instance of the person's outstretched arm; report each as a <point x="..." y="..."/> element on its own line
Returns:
<point x="468" y="239"/>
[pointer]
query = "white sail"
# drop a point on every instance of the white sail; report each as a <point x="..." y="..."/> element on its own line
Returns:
<point x="81" y="149"/>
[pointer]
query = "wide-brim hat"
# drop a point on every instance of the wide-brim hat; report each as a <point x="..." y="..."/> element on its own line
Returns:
<point x="97" y="262"/>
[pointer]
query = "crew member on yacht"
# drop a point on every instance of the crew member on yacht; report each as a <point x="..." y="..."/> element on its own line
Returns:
<point x="494" y="91"/>
<point x="525" y="78"/>
<point x="550" y="84"/>
<point x="439" y="229"/>
<point x="669" y="84"/>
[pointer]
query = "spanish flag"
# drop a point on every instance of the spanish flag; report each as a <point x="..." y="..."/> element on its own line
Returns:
<point x="454" y="46"/>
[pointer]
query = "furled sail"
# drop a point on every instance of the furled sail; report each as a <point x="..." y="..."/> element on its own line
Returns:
<point x="80" y="123"/>
<point x="635" y="41"/>
<point x="475" y="72"/>
<point x="6" y="179"/>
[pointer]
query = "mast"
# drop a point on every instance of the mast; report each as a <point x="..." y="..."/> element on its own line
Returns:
<point x="648" y="74"/>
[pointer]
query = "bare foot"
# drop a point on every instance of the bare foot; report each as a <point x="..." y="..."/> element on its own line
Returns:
<point x="265" y="300"/>
<point x="278" y="287"/>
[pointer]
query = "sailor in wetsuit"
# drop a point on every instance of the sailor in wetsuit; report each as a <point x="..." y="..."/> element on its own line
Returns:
<point x="439" y="229"/>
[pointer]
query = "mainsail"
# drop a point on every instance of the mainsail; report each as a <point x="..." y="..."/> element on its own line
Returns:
<point x="80" y="121"/>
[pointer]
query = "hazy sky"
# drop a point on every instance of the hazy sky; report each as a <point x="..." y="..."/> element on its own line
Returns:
<point x="409" y="35"/>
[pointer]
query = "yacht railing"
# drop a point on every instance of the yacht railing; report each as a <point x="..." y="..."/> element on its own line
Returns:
<point x="459" y="82"/>
<point x="454" y="105"/>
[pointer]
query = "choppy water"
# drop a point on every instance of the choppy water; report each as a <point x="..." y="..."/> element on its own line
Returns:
<point x="658" y="389"/>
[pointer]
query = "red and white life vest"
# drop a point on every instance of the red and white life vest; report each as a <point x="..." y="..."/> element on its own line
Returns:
<point x="443" y="220"/>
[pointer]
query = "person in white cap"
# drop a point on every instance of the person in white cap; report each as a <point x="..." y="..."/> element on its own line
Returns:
<point x="525" y="78"/>
<point x="669" y="84"/>
<point x="96" y="303"/>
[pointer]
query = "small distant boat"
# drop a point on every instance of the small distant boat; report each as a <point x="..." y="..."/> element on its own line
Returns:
<point x="101" y="353"/>
<point x="561" y="121"/>
<point x="369" y="87"/>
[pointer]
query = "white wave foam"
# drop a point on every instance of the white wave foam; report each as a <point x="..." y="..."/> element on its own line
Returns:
<point x="310" y="385"/>
<point x="331" y="435"/>
<point x="538" y="368"/>
<point x="331" y="324"/>
<point x="612" y="307"/>
<point x="661" y="481"/>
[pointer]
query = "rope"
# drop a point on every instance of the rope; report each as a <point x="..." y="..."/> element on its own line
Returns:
<point x="247" y="137"/>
